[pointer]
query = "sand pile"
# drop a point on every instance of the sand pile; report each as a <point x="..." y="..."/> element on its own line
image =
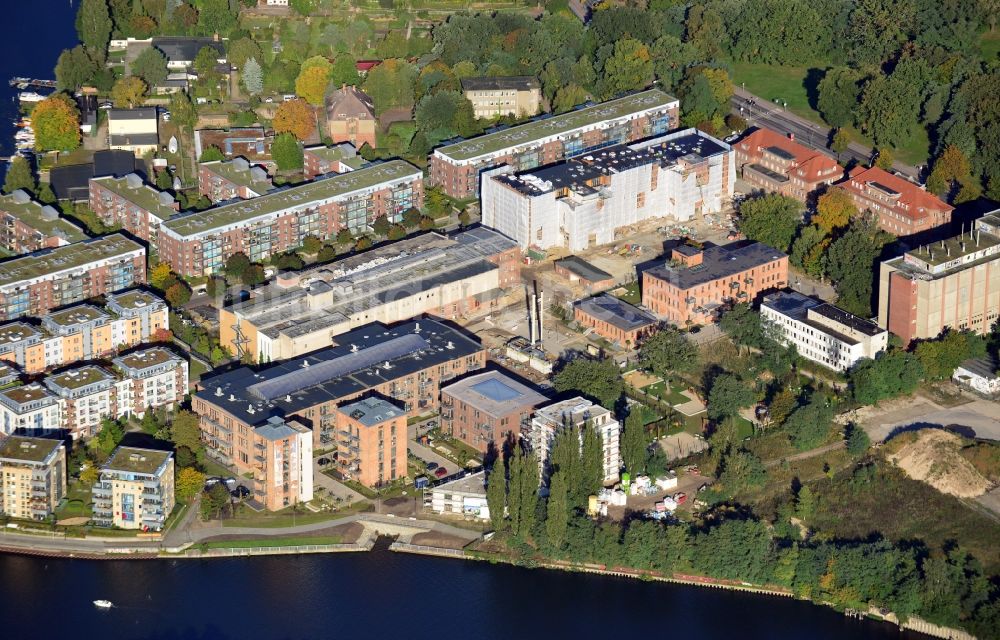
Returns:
<point x="933" y="457"/>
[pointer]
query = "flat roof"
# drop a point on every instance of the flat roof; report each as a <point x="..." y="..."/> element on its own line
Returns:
<point x="240" y="171"/>
<point x="139" y="113"/>
<point x="580" y="172"/>
<point x="494" y="393"/>
<point x="556" y="125"/>
<point x="717" y="262"/>
<point x="331" y="187"/>
<point x="837" y="314"/>
<point x="583" y="269"/>
<point x="132" y="188"/>
<point x="147" y="358"/>
<point x="17" y="331"/>
<point x="797" y="306"/>
<point x="371" y="411"/>
<point x="78" y="314"/>
<point x="49" y="262"/>
<point x="474" y="483"/>
<point x="954" y="248"/>
<point x="43" y="218"/>
<point x="986" y="367"/>
<point x="134" y="299"/>
<point x="28" y="393"/>
<point x="357" y="363"/>
<point x="79" y="377"/>
<point x="135" y="460"/>
<point x="616" y="312"/>
<point x="28" y="449"/>
<point x="578" y="409"/>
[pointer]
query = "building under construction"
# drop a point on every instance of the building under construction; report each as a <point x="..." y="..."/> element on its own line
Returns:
<point x="428" y="274"/>
<point x="584" y="201"/>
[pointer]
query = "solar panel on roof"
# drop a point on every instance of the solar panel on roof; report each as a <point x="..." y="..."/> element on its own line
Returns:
<point x="338" y="367"/>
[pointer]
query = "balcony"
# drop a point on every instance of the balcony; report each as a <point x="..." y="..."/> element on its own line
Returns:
<point x="102" y="490"/>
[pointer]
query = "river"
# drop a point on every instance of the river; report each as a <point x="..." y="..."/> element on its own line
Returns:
<point x="38" y="32"/>
<point x="384" y="595"/>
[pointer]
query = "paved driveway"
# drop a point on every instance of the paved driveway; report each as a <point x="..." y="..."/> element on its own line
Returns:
<point x="429" y="455"/>
<point x="337" y="489"/>
<point x="979" y="417"/>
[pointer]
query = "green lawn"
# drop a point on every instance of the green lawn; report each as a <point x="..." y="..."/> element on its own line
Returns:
<point x="197" y="369"/>
<point x="270" y="542"/>
<point x="631" y="294"/>
<point x="673" y="395"/>
<point x="989" y="45"/>
<point x="77" y="502"/>
<point x="789" y="85"/>
<point x="246" y="517"/>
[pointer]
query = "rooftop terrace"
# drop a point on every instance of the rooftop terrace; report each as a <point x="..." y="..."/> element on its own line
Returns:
<point x="80" y="377"/>
<point x="139" y="360"/>
<point x="134" y="299"/>
<point x="494" y="393"/>
<point x="371" y="411"/>
<point x="79" y="314"/>
<point x="556" y="125"/>
<point x="17" y="331"/>
<point x="49" y="262"/>
<point x="308" y="194"/>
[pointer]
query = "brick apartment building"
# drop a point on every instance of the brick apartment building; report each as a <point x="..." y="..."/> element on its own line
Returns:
<point x="83" y="332"/>
<point x="29" y="226"/>
<point x="371" y="441"/>
<point x="35" y="283"/>
<point x="694" y="286"/>
<point x="32" y="476"/>
<point x="321" y="160"/>
<point x="902" y="207"/>
<point x="614" y="320"/>
<point x="484" y="408"/>
<point x="773" y="162"/>
<point x="199" y="243"/>
<point x="231" y="179"/>
<point x="456" y="168"/>
<point x="952" y="283"/>
<point x="132" y="204"/>
<point x="406" y="363"/>
<point x="426" y="274"/>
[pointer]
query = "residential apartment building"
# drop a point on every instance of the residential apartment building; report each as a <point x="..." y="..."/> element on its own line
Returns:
<point x="464" y="497"/>
<point x="252" y="143"/>
<point x="32" y="476"/>
<point x="29" y="409"/>
<point x="86" y="395"/>
<point x="585" y="201"/>
<point x="29" y="226"/>
<point x="696" y="283"/>
<point x="427" y="274"/>
<point x="134" y="130"/>
<point x="953" y="283"/>
<point x="614" y="319"/>
<point x="407" y="363"/>
<point x="776" y="163"/>
<point x="223" y="180"/>
<point x="820" y="331"/>
<point x="456" y="168"/>
<point x="35" y="283"/>
<point x="493" y="97"/>
<point x="371" y="441"/>
<point x="350" y="117"/>
<point x="575" y="413"/>
<point x="903" y="208"/>
<point x="156" y="377"/>
<point x="198" y="243"/>
<point x="132" y="204"/>
<point x="83" y="332"/>
<point x="483" y="409"/>
<point x="321" y="160"/>
<point x="282" y="463"/>
<point x="135" y="490"/>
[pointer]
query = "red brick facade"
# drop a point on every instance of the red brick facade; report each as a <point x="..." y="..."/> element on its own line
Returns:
<point x="902" y="207"/>
<point x="774" y="162"/>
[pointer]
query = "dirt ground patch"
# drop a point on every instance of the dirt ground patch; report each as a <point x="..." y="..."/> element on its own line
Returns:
<point x="436" y="539"/>
<point x="682" y="445"/>
<point x="641" y="379"/>
<point x="933" y="457"/>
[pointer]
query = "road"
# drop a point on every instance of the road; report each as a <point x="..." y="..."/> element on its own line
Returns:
<point x="762" y="112"/>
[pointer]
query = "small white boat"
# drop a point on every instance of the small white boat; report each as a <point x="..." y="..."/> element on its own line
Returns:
<point x="30" y="96"/>
<point x="103" y="604"/>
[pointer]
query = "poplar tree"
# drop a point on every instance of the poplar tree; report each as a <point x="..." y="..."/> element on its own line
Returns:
<point x="496" y="494"/>
<point x="528" y="492"/>
<point x="557" y="518"/>
<point x="514" y="489"/>
<point x="591" y="464"/>
<point x="634" y="443"/>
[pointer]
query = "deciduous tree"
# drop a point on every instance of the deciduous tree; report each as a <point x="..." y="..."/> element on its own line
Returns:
<point x="599" y="379"/>
<point x="74" y="69"/>
<point x="93" y="25"/>
<point x="56" y="122"/>
<point x="496" y="494"/>
<point x="834" y="210"/>
<point x="151" y="66"/>
<point x="727" y="396"/>
<point x="314" y="76"/>
<point x="286" y="152"/>
<point x="295" y="117"/>
<point x="19" y="176"/>
<point x="667" y="352"/>
<point x="188" y="483"/>
<point x="129" y="92"/>
<point x="634" y="443"/>
<point x="772" y="219"/>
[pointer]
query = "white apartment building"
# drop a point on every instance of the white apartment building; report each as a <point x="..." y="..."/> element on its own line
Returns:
<point x="463" y="497"/>
<point x="87" y="395"/>
<point x="31" y="408"/>
<point x="156" y="377"/>
<point x="577" y="412"/>
<point x="820" y="331"/>
<point x="582" y="202"/>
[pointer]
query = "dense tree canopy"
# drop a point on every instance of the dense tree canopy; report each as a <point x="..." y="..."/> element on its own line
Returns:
<point x="599" y="379"/>
<point x="56" y="122"/>
<point x="772" y="219"/>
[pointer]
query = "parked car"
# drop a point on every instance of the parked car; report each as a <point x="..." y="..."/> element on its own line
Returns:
<point x="240" y="492"/>
<point x="231" y="483"/>
<point x="323" y="461"/>
<point x="680" y="497"/>
<point x="212" y="481"/>
<point x="431" y="466"/>
<point x="166" y="117"/>
<point x="269" y="100"/>
<point x="441" y="472"/>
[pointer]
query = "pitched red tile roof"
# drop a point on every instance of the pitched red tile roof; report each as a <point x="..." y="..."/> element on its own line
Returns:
<point x="913" y="200"/>
<point x="808" y="164"/>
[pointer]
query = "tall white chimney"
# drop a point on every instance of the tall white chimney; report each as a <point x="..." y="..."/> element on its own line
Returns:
<point x="541" y="317"/>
